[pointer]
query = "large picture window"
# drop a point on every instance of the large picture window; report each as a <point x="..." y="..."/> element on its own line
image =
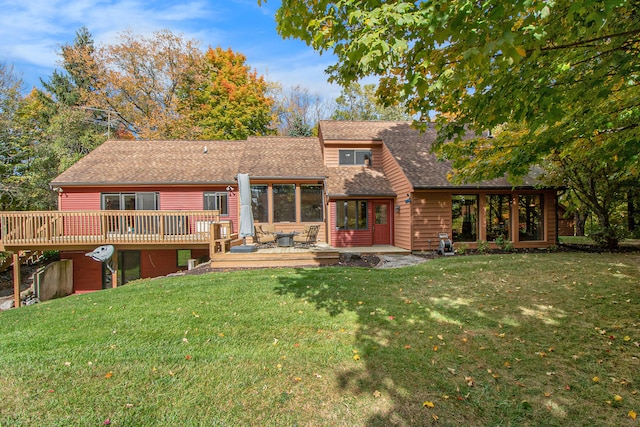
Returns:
<point x="530" y="217"/>
<point x="355" y="157"/>
<point x="464" y="218"/>
<point x="351" y="214"/>
<point x="260" y="203"/>
<point x="284" y="203"/>
<point x="216" y="201"/>
<point x="498" y="214"/>
<point x="311" y="203"/>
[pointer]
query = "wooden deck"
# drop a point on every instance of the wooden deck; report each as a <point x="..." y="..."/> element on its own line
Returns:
<point x="60" y="230"/>
<point x="277" y="257"/>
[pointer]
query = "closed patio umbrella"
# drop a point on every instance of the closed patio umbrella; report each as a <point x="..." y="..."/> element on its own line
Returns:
<point x="246" y="215"/>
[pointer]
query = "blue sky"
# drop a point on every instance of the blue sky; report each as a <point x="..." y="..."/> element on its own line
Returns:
<point x="32" y="31"/>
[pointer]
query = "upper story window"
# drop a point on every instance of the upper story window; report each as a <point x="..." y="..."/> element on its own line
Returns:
<point x="355" y="157"/>
<point x="216" y="201"/>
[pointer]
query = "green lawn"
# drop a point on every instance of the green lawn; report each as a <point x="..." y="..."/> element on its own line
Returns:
<point x="517" y="339"/>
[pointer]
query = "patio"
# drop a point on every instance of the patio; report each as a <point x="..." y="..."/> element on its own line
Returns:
<point x="319" y="255"/>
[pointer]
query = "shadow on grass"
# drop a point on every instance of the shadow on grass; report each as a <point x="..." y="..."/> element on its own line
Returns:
<point x="409" y="343"/>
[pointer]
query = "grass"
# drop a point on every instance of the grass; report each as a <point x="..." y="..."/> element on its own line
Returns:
<point x="518" y="339"/>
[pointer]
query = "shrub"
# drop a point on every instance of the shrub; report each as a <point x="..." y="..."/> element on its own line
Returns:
<point x="483" y="246"/>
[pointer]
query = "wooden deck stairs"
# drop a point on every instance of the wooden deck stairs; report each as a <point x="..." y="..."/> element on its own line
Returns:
<point x="276" y="257"/>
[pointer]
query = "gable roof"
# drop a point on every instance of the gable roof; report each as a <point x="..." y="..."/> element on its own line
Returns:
<point x="412" y="151"/>
<point x="120" y="162"/>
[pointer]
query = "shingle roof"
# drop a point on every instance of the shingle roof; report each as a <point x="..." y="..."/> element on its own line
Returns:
<point x="355" y="130"/>
<point x="119" y="162"/>
<point x="411" y="149"/>
<point x="282" y="157"/>
<point x="358" y="181"/>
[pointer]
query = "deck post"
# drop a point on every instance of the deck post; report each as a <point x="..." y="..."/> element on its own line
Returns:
<point x="114" y="274"/>
<point x="16" y="279"/>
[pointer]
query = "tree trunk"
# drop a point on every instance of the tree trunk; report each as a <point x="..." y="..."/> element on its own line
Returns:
<point x="608" y="237"/>
<point x="631" y="209"/>
<point x="579" y="219"/>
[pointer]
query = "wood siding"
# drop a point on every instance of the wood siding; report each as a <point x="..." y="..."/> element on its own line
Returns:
<point x="87" y="273"/>
<point x="350" y="238"/>
<point x="432" y="215"/>
<point x="332" y="152"/>
<point x="402" y="213"/>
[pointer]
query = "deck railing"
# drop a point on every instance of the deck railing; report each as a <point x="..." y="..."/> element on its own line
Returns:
<point x="51" y="228"/>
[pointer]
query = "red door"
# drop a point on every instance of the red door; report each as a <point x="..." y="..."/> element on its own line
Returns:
<point x="381" y="226"/>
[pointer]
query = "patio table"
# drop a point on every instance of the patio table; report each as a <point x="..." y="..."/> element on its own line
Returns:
<point x="285" y="239"/>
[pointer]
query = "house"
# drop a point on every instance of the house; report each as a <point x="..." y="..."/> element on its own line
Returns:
<point x="363" y="184"/>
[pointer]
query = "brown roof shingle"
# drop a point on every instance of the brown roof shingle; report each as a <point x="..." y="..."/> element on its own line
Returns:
<point x="411" y="149"/>
<point x="118" y="162"/>
<point x="358" y="181"/>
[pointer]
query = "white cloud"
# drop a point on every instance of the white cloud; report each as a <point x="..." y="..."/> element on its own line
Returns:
<point x="32" y="31"/>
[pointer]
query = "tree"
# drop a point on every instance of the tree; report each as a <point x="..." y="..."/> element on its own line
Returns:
<point x="563" y="71"/>
<point x="139" y="80"/>
<point x="12" y="153"/>
<point x="226" y="99"/>
<point x="296" y="110"/>
<point x="361" y="102"/>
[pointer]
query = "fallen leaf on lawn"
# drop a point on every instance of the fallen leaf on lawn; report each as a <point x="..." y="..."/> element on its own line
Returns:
<point x="632" y="414"/>
<point x="617" y="398"/>
<point x="435" y="417"/>
<point x="507" y="364"/>
<point x="297" y="379"/>
<point x="428" y="404"/>
<point x="407" y="347"/>
<point x="435" y="348"/>
<point x="67" y="363"/>
<point x="377" y="394"/>
<point x="440" y="337"/>
<point x="188" y="357"/>
<point x="185" y="340"/>
<point x="451" y="371"/>
<point x="596" y="379"/>
<point x="356" y="357"/>
<point x="469" y="381"/>
<point x="108" y="374"/>
<point x="627" y="338"/>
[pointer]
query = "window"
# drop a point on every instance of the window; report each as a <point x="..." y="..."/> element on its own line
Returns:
<point x="355" y="157"/>
<point x="260" y="203"/>
<point x="216" y="202"/>
<point x="311" y="203"/>
<point x="530" y="217"/>
<point x="183" y="255"/>
<point x="284" y="203"/>
<point x="498" y="208"/>
<point x="351" y="215"/>
<point x="130" y="201"/>
<point x="464" y="218"/>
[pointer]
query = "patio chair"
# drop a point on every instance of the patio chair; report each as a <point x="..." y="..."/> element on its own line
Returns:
<point x="264" y="238"/>
<point x="308" y="236"/>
